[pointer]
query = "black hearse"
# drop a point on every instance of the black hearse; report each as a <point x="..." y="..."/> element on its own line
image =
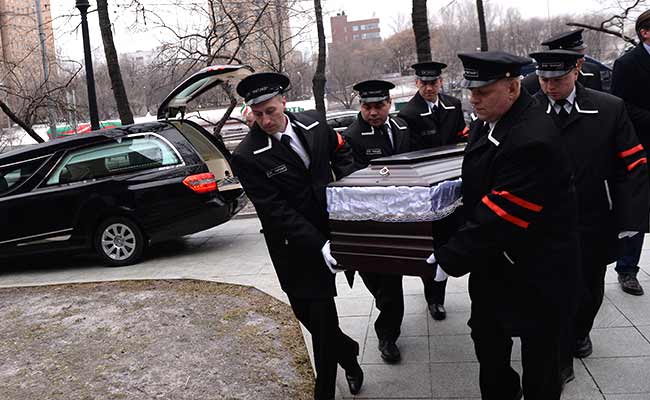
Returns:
<point x="116" y="191"/>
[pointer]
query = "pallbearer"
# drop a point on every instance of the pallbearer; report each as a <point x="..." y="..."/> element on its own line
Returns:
<point x="518" y="241"/>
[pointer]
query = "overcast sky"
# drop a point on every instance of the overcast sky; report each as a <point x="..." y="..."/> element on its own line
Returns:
<point x="387" y="10"/>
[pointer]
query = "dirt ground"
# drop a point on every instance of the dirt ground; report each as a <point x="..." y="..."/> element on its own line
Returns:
<point x="180" y="339"/>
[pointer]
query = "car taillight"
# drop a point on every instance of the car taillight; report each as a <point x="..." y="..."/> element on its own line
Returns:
<point x="201" y="183"/>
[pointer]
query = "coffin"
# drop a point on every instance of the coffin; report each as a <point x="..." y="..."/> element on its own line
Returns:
<point x="384" y="218"/>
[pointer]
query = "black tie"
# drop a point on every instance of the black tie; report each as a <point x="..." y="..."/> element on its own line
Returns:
<point x="562" y="114"/>
<point x="286" y="140"/>
<point x="435" y="110"/>
<point x="384" y="131"/>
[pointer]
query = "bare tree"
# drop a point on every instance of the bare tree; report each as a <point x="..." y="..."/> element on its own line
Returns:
<point x="420" y="19"/>
<point x="217" y="33"/>
<point x="401" y="50"/>
<point x="623" y="14"/>
<point x="113" y="64"/>
<point x="352" y="63"/>
<point x="274" y="42"/>
<point x="319" y="79"/>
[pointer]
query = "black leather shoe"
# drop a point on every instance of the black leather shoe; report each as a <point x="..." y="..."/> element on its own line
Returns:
<point x="389" y="351"/>
<point x="437" y="311"/>
<point x="355" y="379"/>
<point x="584" y="348"/>
<point x="630" y="284"/>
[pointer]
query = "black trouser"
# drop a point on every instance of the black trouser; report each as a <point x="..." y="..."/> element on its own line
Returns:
<point x="434" y="291"/>
<point x="389" y="298"/>
<point x="592" y="285"/>
<point x="540" y="353"/>
<point x="331" y="346"/>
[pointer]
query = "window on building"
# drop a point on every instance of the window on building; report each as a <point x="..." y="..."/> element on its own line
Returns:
<point x="355" y="28"/>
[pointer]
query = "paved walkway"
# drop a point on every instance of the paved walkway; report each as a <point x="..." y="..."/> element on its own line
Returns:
<point x="438" y="356"/>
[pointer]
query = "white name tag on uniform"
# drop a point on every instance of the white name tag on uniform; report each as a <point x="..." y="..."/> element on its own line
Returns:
<point x="277" y="170"/>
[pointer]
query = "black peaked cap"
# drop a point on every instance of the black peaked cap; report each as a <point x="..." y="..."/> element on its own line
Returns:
<point x="259" y="87"/>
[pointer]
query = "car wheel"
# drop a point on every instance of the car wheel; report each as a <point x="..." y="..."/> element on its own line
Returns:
<point x="119" y="241"/>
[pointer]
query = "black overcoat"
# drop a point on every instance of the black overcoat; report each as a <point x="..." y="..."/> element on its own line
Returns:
<point x="519" y="240"/>
<point x="368" y="142"/>
<point x="426" y="132"/>
<point x="631" y="82"/>
<point x="290" y="199"/>
<point x="609" y="167"/>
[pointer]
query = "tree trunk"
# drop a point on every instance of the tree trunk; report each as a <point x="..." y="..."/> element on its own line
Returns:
<point x="420" y="21"/>
<point x="481" y="25"/>
<point x="224" y="118"/>
<point x="20" y="122"/>
<point x="113" y="65"/>
<point x="318" y="82"/>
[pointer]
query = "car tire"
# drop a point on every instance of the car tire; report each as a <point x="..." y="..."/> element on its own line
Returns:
<point x="119" y="241"/>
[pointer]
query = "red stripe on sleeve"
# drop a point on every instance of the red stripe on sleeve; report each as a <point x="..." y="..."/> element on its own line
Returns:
<point x="637" y="163"/>
<point x="519" y="201"/>
<point x="631" y="151"/>
<point x="503" y="214"/>
<point x="341" y="141"/>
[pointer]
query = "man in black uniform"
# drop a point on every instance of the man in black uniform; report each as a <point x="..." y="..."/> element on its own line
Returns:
<point x="610" y="172"/>
<point x="284" y="164"/>
<point x="434" y="119"/>
<point x="518" y="240"/>
<point x="374" y="134"/>
<point x="589" y="73"/>
<point x="631" y="82"/>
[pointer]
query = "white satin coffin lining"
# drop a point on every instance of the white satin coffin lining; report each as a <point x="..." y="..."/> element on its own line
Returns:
<point x="394" y="203"/>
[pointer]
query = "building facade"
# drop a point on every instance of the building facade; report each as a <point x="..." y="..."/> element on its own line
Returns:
<point x="344" y="31"/>
<point x="20" y="49"/>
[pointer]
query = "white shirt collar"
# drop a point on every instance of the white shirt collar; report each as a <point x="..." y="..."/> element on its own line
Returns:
<point x="433" y="104"/>
<point x="571" y="98"/>
<point x="296" y="145"/>
<point x="647" y="47"/>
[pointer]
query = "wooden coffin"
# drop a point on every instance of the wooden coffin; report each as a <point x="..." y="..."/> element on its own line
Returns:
<point x="368" y="235"/>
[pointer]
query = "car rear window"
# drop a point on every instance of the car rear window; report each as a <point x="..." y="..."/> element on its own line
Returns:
<point x="130" y="154"/>
<point x="13" y="175"/>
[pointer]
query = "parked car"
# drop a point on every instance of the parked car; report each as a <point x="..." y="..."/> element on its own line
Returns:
<point x="117" y="191"/>
<point x="340" y="120"/>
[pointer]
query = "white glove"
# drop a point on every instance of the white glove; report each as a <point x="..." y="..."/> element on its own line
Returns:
<point x="329" y="260"/>
<point x="627" y="234"/>
<point x="441" y="275"/>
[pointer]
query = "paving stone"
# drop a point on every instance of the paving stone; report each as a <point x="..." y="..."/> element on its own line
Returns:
<point x="645" y="331"/>
<point x="383" y="381"/>
<point x="583" y="387"/>
<point x="619" y="342"/>
<point x="414" y="350"/>
<point x="412" y="325"/>
<point x="357" y="328"/>
<point x="456" y="348"/>
<point x="455" y="380"/>
<point x="621" y="375"/>
<point x="609" y="316"/>
<point x="454" y="324"/>
<point x="354" y="306"/>
<point x="634" y="308"/>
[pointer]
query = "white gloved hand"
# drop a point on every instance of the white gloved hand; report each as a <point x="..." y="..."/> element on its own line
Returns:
<point x="329" y="260"/>
<point x="441" y="275"/>
<point x="627" y="234"/>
